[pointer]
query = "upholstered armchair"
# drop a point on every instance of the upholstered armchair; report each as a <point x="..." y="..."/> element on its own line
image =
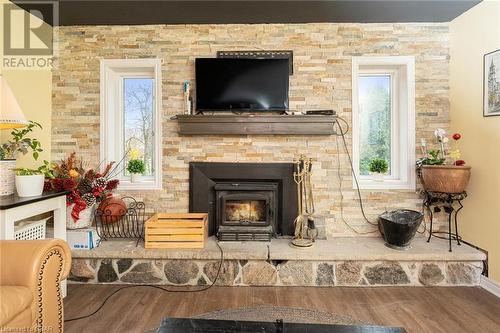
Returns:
<point x="31" y="299"/>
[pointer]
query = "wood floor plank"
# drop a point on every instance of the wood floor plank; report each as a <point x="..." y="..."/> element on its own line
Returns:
<point x="417" y="309"/>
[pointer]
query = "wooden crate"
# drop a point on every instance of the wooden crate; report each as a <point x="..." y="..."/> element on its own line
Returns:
<point x="176" y="231"/>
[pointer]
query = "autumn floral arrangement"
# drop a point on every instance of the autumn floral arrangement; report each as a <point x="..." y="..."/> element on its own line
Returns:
<point x="88" y="186"/>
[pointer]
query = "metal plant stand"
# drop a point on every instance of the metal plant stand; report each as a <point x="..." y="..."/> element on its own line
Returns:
<point x="447" y="200"/>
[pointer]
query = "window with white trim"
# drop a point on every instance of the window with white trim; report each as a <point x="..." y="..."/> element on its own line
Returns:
<point x="383" y="119"/>
<point x="131" y="117"/>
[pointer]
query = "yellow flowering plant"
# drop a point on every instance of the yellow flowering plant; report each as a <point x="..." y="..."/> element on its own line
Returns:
<point x="134" y="154"/>
<point x="455" y="154"/>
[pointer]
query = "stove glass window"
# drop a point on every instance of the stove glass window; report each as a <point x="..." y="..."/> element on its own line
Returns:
<point x="246" y="210"/>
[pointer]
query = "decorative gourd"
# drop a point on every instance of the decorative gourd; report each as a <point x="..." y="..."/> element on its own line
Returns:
<point x="111" y="210"/>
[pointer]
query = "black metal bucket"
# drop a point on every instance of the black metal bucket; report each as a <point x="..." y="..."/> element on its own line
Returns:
<point x="398" y="227"/>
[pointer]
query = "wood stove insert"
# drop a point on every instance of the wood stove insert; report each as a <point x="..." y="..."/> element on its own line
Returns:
<point x="246" y="211"/>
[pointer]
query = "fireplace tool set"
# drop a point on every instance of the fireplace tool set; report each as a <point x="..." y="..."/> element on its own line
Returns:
<point x="305" y="230"/>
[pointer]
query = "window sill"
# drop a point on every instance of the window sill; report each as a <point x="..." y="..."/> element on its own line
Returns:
<point x="142" y="185"/>
<point x="386" y="184"/>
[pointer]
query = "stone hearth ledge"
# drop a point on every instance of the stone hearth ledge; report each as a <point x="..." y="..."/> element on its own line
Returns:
<point x="336" y="249"/>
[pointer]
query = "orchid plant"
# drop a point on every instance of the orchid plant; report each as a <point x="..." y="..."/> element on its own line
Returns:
<point x="441" y="155"/>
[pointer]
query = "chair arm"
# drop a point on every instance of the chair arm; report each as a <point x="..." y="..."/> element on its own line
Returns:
<point x="39" y="265"/>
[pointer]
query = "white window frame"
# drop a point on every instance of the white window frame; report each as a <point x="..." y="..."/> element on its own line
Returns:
<point x="113" y="71"/>
<point x="402" y="72"/>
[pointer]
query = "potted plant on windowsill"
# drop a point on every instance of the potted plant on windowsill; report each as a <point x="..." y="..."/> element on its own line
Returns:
<point x="9" y="150"/>
<point x="30" y="182"/>
<point x="438" y="176"/>
<point x="378" y="168"/>
<point x="135" y="166"/>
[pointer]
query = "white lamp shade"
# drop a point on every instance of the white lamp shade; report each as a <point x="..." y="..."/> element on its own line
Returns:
<point x="11" y="115"/>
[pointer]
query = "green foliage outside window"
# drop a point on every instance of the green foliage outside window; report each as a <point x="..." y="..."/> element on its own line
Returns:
<point x="375" y="123"/>
<point x="139" y="119"/>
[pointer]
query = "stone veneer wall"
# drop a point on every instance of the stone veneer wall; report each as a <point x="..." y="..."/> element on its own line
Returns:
<point x="322" y="79"/>
<point x="276" y="273"/>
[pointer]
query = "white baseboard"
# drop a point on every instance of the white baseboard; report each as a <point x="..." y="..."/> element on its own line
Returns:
<point x="490" y="285"/>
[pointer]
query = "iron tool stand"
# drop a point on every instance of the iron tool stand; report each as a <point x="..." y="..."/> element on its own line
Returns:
<point x="447" y="200"/>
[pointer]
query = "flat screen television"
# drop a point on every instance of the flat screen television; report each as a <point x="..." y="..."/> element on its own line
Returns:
<point x="224" y="84"/>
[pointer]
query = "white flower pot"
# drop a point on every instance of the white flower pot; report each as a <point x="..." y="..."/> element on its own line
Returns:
<point x="7" y="177"/>
<point x="378" y="177"/>
<point x="29" y="186"/>
<point x="135" y="177"/>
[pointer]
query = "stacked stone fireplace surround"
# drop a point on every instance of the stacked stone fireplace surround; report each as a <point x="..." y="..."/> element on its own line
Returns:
<point x="321" y="79"/>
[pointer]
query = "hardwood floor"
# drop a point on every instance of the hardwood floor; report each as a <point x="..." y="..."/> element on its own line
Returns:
<point x="417" y="309"/>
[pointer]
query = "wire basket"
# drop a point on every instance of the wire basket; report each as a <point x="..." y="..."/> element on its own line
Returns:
<point x="122" y="221"/>
<point x="31" y="231"/>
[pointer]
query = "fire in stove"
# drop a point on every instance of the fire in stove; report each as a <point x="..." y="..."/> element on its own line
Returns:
<point x="246" y="210"/>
